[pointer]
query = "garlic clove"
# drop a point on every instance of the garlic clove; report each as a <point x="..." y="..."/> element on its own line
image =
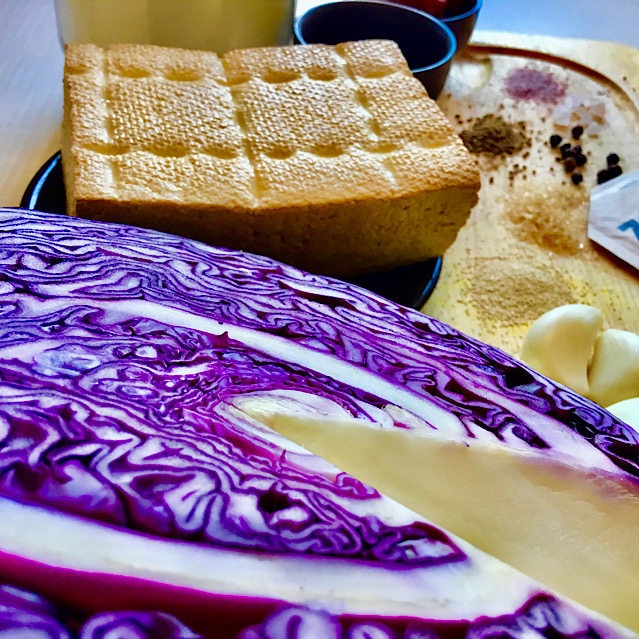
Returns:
<point x="559" y="344"/>
<point x="614" y="372"/>
<point x="627" y="410"/>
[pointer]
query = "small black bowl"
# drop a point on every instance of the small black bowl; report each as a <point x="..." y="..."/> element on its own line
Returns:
<point x="427" y="43"/>
<point x="462" y="24"/>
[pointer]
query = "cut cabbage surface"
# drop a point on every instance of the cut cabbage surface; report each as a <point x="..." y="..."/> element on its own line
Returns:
<point x="143" y="379"/>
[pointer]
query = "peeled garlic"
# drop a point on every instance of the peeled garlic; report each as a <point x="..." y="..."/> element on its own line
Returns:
<point x="559" y="344"/>
<point x="614" y="372"/>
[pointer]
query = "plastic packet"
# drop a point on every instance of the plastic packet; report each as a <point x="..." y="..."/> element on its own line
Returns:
<point x="613" y="221"/>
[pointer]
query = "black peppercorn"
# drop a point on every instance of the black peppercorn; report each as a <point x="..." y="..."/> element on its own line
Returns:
<point x="577" y="178"/>
<point x="577" y="132"/>
<point x="555" y="140"/>
<point x="581" y="159"/>
<point x="608" y="174"/>
<point x="570" y="164"/>
<point x="612" y="159"/>
<point x="615" y="171"/>
<point x="565" y="147"/>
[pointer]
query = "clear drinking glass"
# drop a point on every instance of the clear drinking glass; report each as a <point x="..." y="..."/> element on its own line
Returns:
<point x="213" y="25"/>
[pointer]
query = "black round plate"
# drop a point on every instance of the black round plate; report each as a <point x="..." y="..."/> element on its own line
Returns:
<point x="46" y="190"/>
<point x="408" y="285"/>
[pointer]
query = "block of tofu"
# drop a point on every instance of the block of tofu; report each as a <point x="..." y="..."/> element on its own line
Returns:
<point x="333" y="159"/>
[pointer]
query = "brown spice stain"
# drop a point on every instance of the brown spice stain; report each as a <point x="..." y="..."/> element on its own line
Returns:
<point x="555" y="219"/>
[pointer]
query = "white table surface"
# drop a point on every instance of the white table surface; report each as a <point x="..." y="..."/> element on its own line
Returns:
<point x="31" y="64"/>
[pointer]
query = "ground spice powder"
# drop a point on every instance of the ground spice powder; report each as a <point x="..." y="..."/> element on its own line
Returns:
<point x="493" y="135"/>
<point x="516" y="293"/>
<point x="555" y="220"/>
<point x="532" y="84"/>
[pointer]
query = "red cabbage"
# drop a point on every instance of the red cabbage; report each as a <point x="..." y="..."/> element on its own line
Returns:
<point x="125" y="358"/>
<point x="540" y="618"/>
<point x="25" y="615"/>
<point x="135" y="625"/>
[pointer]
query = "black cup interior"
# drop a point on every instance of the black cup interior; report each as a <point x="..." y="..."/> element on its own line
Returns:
<point x="345" y="21"/>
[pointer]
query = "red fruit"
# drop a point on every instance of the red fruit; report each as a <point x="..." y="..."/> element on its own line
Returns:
<point x="454" y="7"/>
<point x="433" y="7"/>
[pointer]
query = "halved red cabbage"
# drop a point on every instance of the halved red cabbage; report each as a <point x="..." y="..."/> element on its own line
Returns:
<point x="125" y="357"/>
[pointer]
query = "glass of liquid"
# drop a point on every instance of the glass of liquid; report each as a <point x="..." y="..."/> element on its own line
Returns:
<point x="212" y="25"/>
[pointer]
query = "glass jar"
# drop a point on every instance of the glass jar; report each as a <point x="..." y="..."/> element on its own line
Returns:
<point x="213" y="25"/>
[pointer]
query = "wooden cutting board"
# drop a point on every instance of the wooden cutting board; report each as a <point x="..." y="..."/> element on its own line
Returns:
<point x="524" y="249"/>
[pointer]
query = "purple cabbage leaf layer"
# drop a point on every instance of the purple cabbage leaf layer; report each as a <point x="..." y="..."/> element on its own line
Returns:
<point x="25" y="615"/>
<point x="126" y="419"/>
<point x="121" y="353"/>
<point x="66" y="257"/>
